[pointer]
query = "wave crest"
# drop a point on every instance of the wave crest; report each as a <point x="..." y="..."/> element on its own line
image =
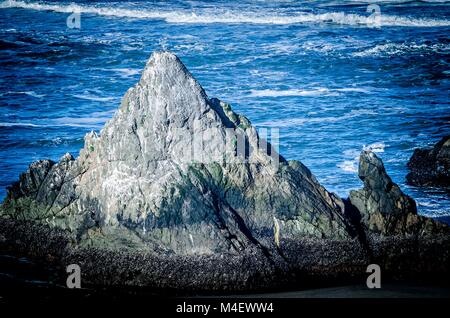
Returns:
<point x="230" y="17"/>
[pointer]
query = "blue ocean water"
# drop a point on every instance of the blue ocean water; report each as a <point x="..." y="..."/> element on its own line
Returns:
<point x="333" y="77"/>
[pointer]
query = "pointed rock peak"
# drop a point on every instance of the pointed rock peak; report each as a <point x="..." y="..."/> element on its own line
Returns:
<point x="372" y="167"/>
<point x="165" y="69"/>
<point x="379" y="194"/>
<point x="164" y="60"/>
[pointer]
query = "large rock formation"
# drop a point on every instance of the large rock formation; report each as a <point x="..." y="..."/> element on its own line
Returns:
<point x="166" y="174"/>
<point x="383" y="207"/>
<point x="177" y="180"/>
<point x="431" y="167"/>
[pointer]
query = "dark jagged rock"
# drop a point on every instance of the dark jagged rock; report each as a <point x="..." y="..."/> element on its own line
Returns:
<point x="380" y="194"/>
<point x="145" y="203"/>
<point x="383" y="207"/>
<point x="431" y="167"/>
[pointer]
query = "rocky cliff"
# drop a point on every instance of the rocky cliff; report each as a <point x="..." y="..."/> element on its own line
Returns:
<point x="177" y="180"/>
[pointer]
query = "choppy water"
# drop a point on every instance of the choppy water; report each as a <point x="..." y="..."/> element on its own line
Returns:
<point x="331" y="78"/>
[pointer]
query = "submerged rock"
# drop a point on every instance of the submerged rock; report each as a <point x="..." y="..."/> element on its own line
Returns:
<point x="431" y="167"/>
<point x="177" y="180"/>
<point x="383" y="207"/>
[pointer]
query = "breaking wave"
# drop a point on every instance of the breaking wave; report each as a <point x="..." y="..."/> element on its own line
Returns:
<point x="230" y="17"/>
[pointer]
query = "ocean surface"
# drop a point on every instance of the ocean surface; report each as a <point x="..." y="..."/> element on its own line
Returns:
<point x="334" y="77"/>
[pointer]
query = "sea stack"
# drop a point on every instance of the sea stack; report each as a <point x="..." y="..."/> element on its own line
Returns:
<point x="147" y="182"/>
<point x="383" y="207"/>
<point x="178" y="182"/>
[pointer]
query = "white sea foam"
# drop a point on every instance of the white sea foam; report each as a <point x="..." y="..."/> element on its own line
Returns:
<point x="352" y="89"/>
<point x="289" y="92"/>
<point x="29" y="93"/>
<point x="18" y="125"/>
<point x="377" y="147"/>
<point x="392" y="49"/>
<point x="272" y="75"/>
<point x="79" y="121"/>
<point x="292" y="122"/>
<point x="94" y="98"/>
<point x="84" y="122"/>
<point x="324" y="46"/>
<point x="252" y="17"/>
<point x="351" y="165"/>
<point x="319" y="91"/>
<point x="428" y="204"/>
<point x="348" y="166"/>
<point x="34" y="94"/>
<point x="126" y="72"/>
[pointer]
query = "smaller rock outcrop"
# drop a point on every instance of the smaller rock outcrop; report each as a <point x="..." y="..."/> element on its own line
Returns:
<point x="431" y="167"/>
<point x="383" y="207"/>
<point x="34" y="195"/>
